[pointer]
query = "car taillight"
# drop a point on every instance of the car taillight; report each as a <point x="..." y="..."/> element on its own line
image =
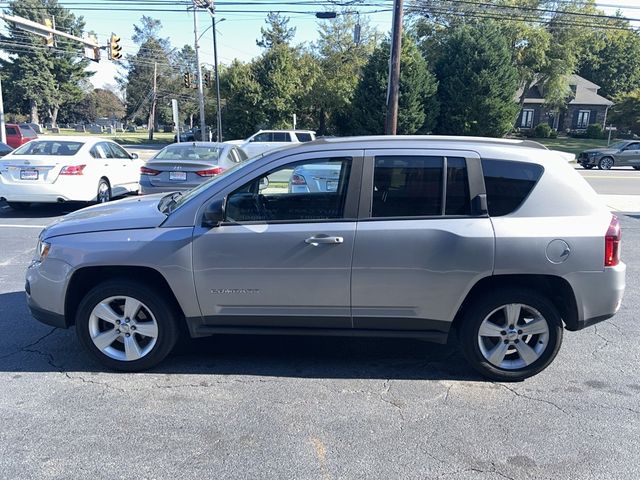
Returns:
<point x="612" y="243"/>
<point x="211" y="172"/>
<point x="298" y="179"/>
<point x="72" y="170"/>
<point x="148" y="171"/>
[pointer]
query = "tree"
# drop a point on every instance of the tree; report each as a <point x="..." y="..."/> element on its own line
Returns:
<point x="612" y="59"/>
<point x="340" y="61"/>
<point x="625" y="113"/>
<point x="478" y="82"/>
<point x="243" y="96"/>
<point x="42" y="79"/>
<point x="277" y="33"/>
<point x="153" y="55"/>
<point x="417" y="104"/>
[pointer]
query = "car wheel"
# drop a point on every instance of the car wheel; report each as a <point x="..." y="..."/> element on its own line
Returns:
<point x="605" y="163"/>
<point x="104" y="191"/>
<point x="126" y="326"/>
<point x="587" y="167"/>
<point x="19" y="205"/>
<point x="511" y="335"/>
<point x="636" y="168"/>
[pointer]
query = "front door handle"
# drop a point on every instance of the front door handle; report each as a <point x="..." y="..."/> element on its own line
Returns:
<point x="315" y="241"/>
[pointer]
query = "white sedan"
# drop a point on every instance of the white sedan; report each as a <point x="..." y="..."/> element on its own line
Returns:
<point x="63" y="169"/>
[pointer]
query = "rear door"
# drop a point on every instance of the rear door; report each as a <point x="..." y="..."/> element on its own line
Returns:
<point x="421" y="241"/>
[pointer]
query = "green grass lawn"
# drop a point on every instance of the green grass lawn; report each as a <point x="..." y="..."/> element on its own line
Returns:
<point x="571" y="145"/>
<point x="126" y="138"/>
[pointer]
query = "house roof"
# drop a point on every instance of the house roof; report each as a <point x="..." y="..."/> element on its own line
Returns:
<point x="588" y="97"/>
<point x="582" y="82"/>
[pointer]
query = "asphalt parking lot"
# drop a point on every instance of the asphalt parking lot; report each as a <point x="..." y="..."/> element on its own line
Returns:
<point x="317" y="408"/>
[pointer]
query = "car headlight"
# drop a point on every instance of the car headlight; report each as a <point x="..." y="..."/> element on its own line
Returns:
<point x="42" y="251"/>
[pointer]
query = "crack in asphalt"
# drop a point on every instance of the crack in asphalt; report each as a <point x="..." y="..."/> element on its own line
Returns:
<point x="392" y="401"/>
<point x="86" y="380"/>
<point x="25" y="347"/>
<point x="534" y="399"/>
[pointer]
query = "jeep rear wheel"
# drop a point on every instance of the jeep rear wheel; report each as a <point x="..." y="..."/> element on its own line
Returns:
<point x="511" y="335"/>
<point x="126" y="326"/>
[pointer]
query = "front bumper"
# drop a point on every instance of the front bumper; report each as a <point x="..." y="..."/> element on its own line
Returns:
<point x="46" y="287"/>
<point x="588" y="160"/>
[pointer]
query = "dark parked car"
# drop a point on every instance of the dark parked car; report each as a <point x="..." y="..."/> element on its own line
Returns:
<point x="621" y="154"/>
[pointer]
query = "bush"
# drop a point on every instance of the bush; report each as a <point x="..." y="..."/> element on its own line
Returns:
<point x="594" y="131"/>
<point x="542" y="130"/>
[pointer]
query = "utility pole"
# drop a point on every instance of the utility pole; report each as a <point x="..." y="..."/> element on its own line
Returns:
<point x="215" y="72"/>
<point x="154" y="100"/>
<point x="3" y="133"/>
<point x="391" y="121"/>
<point x="203" y="126"/>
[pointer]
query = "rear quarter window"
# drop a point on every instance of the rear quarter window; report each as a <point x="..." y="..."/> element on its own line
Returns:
<point x="304" y="137"/>
<point x="508" y="184"/>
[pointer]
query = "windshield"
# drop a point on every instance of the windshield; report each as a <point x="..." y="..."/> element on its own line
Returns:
<point x="49" y="147"/>
<point x="189" y="152"/>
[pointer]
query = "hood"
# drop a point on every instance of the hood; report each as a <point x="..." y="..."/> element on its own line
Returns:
<point x="130" y="213"/>
<point x="601" y="151"/>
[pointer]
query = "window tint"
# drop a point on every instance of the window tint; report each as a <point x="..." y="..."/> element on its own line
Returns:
<point x="11" y="130"/>
<point x="241" y="155"/>
<point x="28" y="132"/>
<point x="263" y="137"/>
<point x="508" y="184"/>
<point x="308" y="190"/>
<point x="633" y="146"/>
<point x="118" y="151"/>
<point x="281" y="137"/>
<point x="304" y="137"/>
<point x="457" y="202"/>
<point x="407" y="186"/>
<point x="49" y="147"/>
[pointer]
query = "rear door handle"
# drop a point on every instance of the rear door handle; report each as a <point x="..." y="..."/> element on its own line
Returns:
<point x="315" y="241"/>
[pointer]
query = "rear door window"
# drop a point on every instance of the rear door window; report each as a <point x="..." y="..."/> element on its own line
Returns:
<point x="281" y="137"/>
<point x="304" y="137"/>
<point x="407" y="186"/>
<point x="508" y="184"/>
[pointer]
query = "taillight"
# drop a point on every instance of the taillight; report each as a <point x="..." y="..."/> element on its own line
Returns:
<point x="72" y="170"/>
<point x="211" y="172"/>
<point x="298" y="179"/>
<point x="148" y="171"/>
<point x="612" y="243"/>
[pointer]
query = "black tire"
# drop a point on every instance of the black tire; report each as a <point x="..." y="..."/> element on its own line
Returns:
<point x="103" y="194"/>
<point x="21" y="206"/>
<point x="605" y="163"/>
<point x="152" y="301"/>
<point x="482" y="307"/>
<point x="636" y="168"/>
<point x="587" y="167"/>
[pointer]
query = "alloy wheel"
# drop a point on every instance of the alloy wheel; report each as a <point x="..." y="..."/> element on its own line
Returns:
<point x="123" y="328"/>
<point x="104" y="192"/>
<point x="513" y="336"/>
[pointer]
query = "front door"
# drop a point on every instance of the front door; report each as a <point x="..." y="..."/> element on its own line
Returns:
<point x="282" y="256"/>
<point x="421" y="241"/>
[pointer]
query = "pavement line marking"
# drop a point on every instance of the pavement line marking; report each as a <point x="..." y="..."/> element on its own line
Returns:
<point x="21" y="226"/>
<point x="635" y="177"/>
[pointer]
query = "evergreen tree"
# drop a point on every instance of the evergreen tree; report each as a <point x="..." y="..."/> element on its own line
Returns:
<point x="478" y="82"/>
<point x="417" y="104"/>
<point x="277" y="33"/>
<point x="242" y="93"/>
<point x="40" y="79"/>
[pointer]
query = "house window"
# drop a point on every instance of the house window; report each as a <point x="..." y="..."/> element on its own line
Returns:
<point x="583" y="118"/>
<point x="527" y="118"/>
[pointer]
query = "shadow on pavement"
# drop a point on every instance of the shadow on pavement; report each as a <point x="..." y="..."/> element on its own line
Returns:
<point x="33" y="347"/>
<point x="41" y="210"/>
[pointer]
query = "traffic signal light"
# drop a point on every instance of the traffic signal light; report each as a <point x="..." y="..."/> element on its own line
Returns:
<point x="207" y="79"/>
<point x="186" y="79"/>
<point x="114" y="47"/>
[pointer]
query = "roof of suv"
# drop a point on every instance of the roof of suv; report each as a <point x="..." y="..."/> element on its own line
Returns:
<point x="432" y="138"/>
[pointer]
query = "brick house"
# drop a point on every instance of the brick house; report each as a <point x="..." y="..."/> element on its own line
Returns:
<point x="583" y="108"/>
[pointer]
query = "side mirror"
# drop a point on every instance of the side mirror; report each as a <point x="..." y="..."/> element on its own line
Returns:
<point x="134" y="156"/>
<point x="214" y="214"/>
<point x="479" y="205"/>
<point x="264" y="183"/>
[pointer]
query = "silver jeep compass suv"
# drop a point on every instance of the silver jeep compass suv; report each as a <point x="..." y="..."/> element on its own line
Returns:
<point x="503" y="244"/>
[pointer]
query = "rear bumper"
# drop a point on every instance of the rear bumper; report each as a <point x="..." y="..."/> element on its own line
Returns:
<point x="598" y="294"/>
<point x="60" y="191"/>
<point x="147" y="188"/>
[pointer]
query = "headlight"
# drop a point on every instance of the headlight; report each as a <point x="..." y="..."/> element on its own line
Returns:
<point x="42" y="250"/>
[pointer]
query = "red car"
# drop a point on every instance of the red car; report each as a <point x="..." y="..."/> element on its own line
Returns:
<point x="17" y="135"/>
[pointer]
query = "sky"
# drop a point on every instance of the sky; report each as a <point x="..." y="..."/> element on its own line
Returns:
<point x="238" y="26"/>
